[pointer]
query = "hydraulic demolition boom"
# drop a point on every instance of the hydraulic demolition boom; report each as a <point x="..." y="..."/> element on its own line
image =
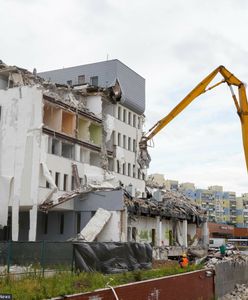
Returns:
<point x="241" y="106"/>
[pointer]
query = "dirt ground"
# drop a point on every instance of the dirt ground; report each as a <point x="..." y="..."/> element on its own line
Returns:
<point x="157" y="264"/>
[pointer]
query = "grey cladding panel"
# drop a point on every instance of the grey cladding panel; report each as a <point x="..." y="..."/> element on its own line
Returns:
<point x="133" y="88"/>
<point x="132" y="84"/>
<point x="112" y="200"/>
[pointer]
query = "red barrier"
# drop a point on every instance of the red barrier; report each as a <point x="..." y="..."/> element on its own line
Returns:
<point x="188" y="286"/>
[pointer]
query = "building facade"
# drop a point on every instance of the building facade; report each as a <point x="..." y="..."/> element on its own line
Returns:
<point x="57" y="138"/>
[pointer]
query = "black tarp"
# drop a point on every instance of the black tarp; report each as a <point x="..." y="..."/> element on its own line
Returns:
<point x="112" y="257"/>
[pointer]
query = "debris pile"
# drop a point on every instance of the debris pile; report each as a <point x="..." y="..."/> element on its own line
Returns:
<point x="73" y="96"/>
<point x="173" y="205"/>
<point x="233" y="256"/>
<point x="239" y="293"/>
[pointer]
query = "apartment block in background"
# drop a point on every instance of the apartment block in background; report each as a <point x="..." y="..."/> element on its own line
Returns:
<point x="222" y="207"/>
<point x="242" y="211"/>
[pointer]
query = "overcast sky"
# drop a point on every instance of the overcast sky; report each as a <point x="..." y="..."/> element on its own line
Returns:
<point x="174" y="44"/>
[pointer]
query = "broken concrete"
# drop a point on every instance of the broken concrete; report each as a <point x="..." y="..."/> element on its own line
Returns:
<point x="95" y="225"/>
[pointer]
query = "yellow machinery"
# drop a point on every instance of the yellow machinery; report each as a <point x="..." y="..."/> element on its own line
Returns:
<point x="241" y="106"/>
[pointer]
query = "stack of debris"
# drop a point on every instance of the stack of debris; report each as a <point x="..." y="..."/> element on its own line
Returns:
<point x="239" y="293"/>
<point x="69" y="95"/>
<point x="173" y="205"/>
<point x="232" y="255"/>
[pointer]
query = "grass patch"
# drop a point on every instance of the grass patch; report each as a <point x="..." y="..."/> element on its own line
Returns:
<point x="38" y="287"/>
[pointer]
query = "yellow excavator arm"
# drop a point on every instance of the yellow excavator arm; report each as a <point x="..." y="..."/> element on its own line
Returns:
<point x="241" y="106"/>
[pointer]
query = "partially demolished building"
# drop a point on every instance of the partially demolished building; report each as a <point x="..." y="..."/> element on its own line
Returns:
<point x="68" y="161"/>
<point x="57" y="138"/>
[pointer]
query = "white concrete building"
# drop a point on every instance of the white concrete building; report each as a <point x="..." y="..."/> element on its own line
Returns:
<point x="54" y="139"/>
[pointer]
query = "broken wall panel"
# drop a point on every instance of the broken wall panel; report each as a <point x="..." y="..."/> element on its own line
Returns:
<point x="83" y="129"/>
<point x="95" y="225"/>
<point x="94" y="104"/>
<point x="68" y="123"/>
<point x="95" y="134"/>
<point x="52" y="117"/>
<point x="19" y="141"/>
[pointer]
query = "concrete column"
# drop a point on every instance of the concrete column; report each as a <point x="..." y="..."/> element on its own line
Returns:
<point x="32" y="224"/>
<point x="185" y="233"/>
<point x="159" y="231"/>
<point x="15" y="219"/>
<point x="77" y="152"/>
<point x="205" y="234"/>
<point x="124" y="217"/>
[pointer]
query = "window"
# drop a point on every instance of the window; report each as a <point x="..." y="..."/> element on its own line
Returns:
<point x="68" y="150"/>
<point x="124" y="141"/>
<point x="118" y="167"/>
<point x="129" y="169"/>
<point x="134" y="145"/>
<point x="134" y="234"/>
<point x="94" y="80"/>
<point x="61" y="223"/>
<point x="69" y="82"/>
<point x="129" y="144"/>
<point x="81" y="79"/>
<point x="57" y="179"/>
<point x="0" y="112"/>
<point x="134" y="172"/>
<point x="45" y="223"/>
<point x="129" y="236"/>
<point x="55" y="147"/>
<point x="119" y="113"/>
<point x="129" y="118"/>
<point x="153" y="237"/>
<point x="134" y="120"/>
<point x="124" y="169"/>
<point x="78" y="220"/>
<point x="124" y="115"/>
<point x="119" y="139"/>
<point x="65" y="182"/>
<point x="139" y="122"/>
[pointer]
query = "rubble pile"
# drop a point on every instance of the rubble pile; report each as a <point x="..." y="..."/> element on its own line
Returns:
<point x="73" y="96"/>
<point x="239" y="293"/>
<point x="173" y="205"/>
<point x="214" y="257"/>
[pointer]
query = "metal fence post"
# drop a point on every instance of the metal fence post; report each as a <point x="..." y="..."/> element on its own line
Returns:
<point x="43" y="257"/>
<point x="9" y="255"/>
<point x="72" y="261"/>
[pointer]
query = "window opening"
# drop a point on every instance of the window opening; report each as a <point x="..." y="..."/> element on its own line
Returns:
<point x="81" y="79"/>
<point x="78" y="222"/>
<point x="61" y="225"/>
<point x="94" y="80"/>
<point x="65" y="182"/>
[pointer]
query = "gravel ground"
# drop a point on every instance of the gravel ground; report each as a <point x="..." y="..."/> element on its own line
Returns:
<point x="239" y="293"/>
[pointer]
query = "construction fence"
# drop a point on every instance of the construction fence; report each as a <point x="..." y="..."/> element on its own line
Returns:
<point x="35" y="257"/>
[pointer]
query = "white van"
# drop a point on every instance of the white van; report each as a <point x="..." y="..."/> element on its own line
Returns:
<point x="216" y="242"/>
